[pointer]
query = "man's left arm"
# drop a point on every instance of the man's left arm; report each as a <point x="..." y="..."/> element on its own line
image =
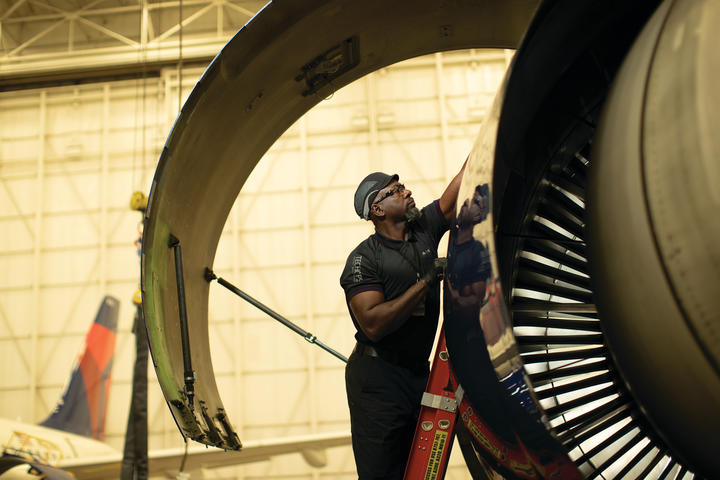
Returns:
<point x="449" y="197"/>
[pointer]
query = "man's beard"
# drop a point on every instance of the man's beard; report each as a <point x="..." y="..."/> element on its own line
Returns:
<point x="413" y="215"/>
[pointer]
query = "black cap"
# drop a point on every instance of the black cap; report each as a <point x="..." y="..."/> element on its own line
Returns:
<point x="368" y="190"/>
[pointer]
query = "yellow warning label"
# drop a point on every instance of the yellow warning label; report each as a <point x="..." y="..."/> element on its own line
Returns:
<point x="435" y="460"/>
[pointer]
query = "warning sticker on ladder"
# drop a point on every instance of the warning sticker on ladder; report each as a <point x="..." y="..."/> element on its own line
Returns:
<point x="435" y="429"/>
<point x="435" y="461"/>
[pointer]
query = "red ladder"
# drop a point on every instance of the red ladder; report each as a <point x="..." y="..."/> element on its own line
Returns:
<point x="435" y="429"/>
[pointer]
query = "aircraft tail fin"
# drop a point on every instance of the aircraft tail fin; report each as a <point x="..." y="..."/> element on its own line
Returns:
<point x="82" y="409"/>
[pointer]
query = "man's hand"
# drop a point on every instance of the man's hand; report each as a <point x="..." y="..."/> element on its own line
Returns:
<point x="435" y="272"/>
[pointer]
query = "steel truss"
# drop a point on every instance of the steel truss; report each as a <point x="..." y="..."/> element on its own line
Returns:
<point x="46" y="42"/>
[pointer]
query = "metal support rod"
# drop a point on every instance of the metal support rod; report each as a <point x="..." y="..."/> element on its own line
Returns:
<point x="174" y="243"/>
<point x="210" y="276"/>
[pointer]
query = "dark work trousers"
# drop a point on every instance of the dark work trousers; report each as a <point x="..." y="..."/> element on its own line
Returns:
<point x="384" y="401"/>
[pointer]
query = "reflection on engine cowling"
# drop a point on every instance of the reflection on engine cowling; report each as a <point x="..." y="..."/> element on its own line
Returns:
<point x="507" y="430"/>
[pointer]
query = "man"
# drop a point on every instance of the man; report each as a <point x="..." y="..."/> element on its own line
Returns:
<point x="393" y="294"/>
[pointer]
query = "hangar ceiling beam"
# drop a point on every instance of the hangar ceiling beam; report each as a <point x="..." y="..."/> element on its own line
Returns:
<point x="44" y="45"/>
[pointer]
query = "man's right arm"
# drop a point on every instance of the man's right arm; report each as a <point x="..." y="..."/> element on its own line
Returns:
<point x="377" y="317"/>
<point x="449" y="197"/>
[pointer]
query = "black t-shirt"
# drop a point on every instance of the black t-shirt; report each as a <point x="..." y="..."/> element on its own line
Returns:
<point x="391" y="267"/>
<point x="468" y="262"/>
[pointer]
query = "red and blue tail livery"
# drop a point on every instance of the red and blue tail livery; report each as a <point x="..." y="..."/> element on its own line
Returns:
<point x="83" y="407"/>
<point x="67" y="445"/>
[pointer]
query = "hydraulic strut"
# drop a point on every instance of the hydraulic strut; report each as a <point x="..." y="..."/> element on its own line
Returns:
<point x="189" y="377"/>
<point x="210" y="276"/>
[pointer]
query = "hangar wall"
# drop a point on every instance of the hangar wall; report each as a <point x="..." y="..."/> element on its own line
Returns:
<point x="71" y="156"/>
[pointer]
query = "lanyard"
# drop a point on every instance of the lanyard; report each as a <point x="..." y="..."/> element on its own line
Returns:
<point x="416" y="267"/>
